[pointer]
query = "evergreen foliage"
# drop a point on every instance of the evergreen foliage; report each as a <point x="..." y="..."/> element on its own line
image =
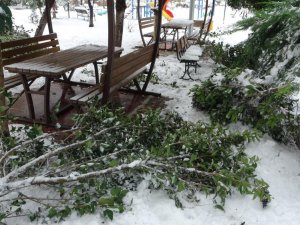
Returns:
<point x="250" y="4"/>
<point x="5" y="19"/>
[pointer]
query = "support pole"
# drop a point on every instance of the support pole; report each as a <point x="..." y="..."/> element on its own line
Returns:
<point x="111" y="49"/>
<point x="191" y="15"/>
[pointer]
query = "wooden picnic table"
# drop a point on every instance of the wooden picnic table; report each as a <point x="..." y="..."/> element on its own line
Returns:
<point x="173" y="27"/>
<point x="54" y="66"/>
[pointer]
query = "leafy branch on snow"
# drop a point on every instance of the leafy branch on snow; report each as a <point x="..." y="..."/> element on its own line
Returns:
<point x="94" y="165"/>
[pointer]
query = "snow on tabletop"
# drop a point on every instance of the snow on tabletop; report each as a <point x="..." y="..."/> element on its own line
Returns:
<point x="279" y="165"/>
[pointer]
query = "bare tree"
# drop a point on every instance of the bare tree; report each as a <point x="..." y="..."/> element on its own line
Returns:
<point x="120" y="13"/>
<point x="43" y="21"/>
<point x="91" y="8"/>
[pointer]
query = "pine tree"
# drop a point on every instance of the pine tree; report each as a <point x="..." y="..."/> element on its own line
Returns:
<point x="5" y="19"/>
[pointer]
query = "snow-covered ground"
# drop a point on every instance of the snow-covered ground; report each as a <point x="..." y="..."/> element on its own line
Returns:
<point x="279" y="164"/>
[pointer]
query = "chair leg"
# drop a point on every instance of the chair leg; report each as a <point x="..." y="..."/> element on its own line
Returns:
<point x="186" y="72"/>
<point x="187" y="66"/>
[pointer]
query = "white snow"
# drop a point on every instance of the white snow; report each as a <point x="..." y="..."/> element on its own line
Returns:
<point x="279" y="165"/>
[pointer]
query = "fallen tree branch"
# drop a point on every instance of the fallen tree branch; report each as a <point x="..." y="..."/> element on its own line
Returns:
<point x="26" y="143"/>
<point x="34" y="162"/>
<point x="70" y="178"/>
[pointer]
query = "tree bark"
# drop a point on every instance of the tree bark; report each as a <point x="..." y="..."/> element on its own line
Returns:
<point x="120" y="13"/>
<point x="54" y="10"/>
<point x="43" y="21"/>
<point x="91" y="13"/>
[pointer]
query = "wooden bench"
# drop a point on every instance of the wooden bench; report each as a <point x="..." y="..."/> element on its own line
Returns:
<point x="195" y="35"/>
<point x="145" y="24"/>
<point x="188" y="48"/>
<point x="84" y="13"/>
<point x="189" y="55"/>
<point x="23" y="49"/>
<point x="125" y="69"/>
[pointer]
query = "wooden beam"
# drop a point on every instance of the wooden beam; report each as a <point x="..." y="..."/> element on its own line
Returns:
<point x="3" y="123"/>
<point x="111" y="48"/>
<point x="156" y="44"/>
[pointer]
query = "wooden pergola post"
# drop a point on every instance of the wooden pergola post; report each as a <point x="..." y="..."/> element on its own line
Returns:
<point x="4" y="130"/>
<point x="111" y="48"/>
<point x="158" y="18"/>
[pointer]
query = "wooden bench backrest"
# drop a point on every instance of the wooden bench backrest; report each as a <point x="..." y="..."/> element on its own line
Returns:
<point x="23" y="49"/>
<point x="147" y="22"/>
<point x="199" y="23"/>
<point x="180" y="47"/>
<point x="127" y="65"/>
<point x="125" y="69"/>
<point x="83" y="11"/>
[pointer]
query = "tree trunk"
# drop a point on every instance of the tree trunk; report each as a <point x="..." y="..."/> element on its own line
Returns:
<point x="91" y="13"/>
<point x="120" y="13"/>
<point x="43" y="21"/>
<point x="54" y="10"/>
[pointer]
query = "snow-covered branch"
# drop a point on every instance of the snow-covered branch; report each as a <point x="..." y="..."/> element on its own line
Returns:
<point x="70" y="178"/>
<point x="28" y="142"/>
<point x="46" y="156"/>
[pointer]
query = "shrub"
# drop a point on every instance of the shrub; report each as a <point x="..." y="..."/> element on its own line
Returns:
<point x="257" y="79"/>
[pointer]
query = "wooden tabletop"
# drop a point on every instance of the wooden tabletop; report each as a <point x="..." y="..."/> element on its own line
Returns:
<point x="60" y="62"/>
<point x="178" y="24"/>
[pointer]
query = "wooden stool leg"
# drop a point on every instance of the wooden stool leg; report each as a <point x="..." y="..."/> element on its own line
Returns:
<point x="28" y="96"/>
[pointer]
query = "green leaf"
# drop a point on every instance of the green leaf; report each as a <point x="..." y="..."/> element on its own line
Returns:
<point x="109" y="214"/>
<point x="181" y="186"/>
<point x="178" y="203"/>
<point x="219" y="207"/>
<point x="121" y="209"/>
<point x="113" y="163"/>
<point x="2" y="216"/>
<point x="115" y="191"/>
<point x="52" y="212"/>
<point x="106" y="202"/>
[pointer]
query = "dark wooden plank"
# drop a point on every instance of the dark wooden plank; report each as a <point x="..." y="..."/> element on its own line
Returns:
<point x="12" y="44"/>
<point x="63" y="61"/>
<point x="85" y="92"/>
<point x="147" y="25"/>
<point x="147" y="18"/>
<point x="27" y="49"/>
<point x="29" y="56"/>
<point x="118" y="82"/>
<point x="91" y="95"/>
<point x="126" y="69"/>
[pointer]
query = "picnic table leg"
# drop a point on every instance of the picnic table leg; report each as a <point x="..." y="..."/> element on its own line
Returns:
<point x="165" y="37"/>
<point x="47" y="100"/>
<point x="96" y="72"/>
<point x="28" y="96"/>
